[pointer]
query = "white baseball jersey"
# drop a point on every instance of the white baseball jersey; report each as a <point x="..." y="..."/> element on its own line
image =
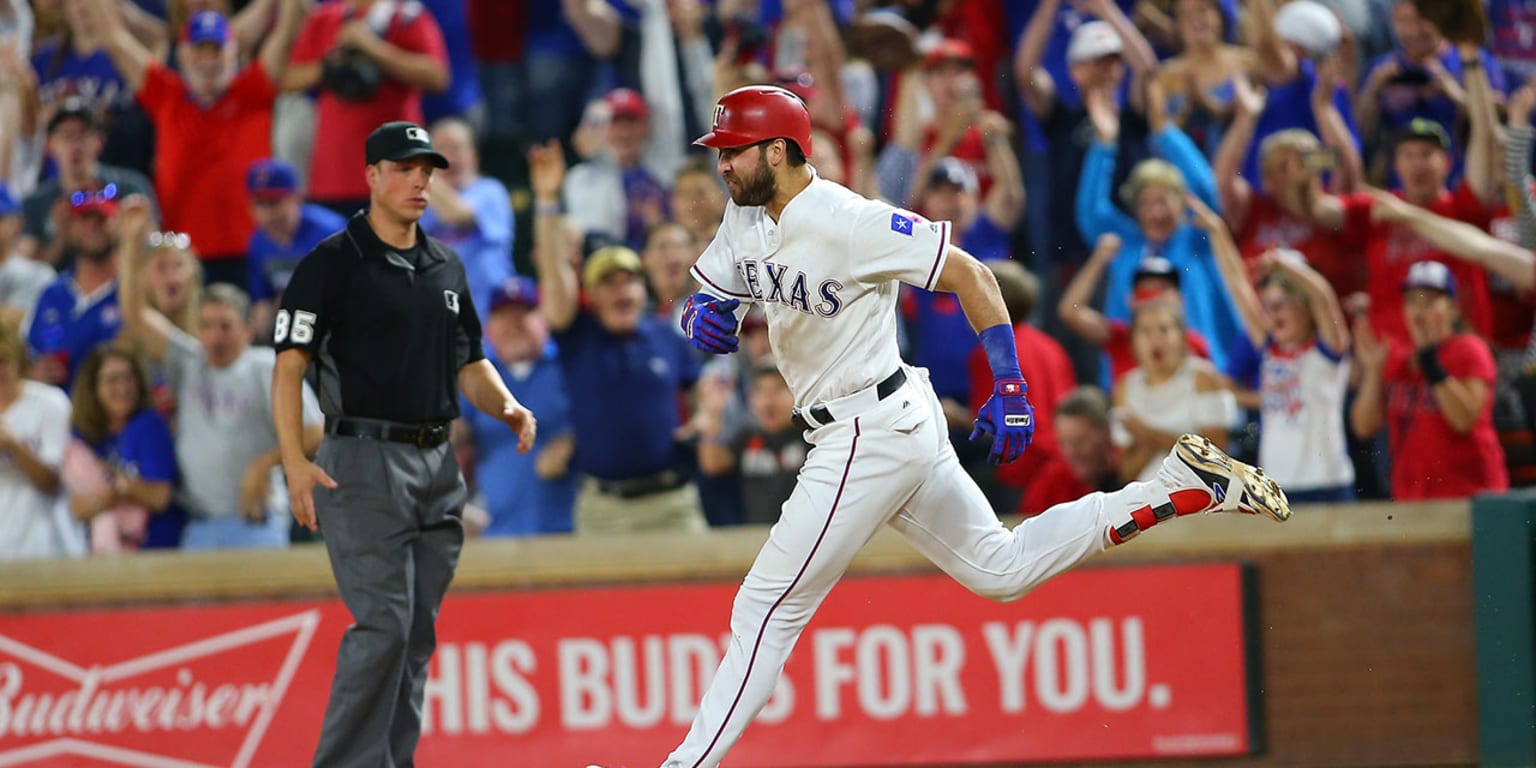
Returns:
<point x="826" y="274"/>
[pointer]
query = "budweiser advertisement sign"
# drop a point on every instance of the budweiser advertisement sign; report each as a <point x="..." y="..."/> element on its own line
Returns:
<point x="1100" y="664"/>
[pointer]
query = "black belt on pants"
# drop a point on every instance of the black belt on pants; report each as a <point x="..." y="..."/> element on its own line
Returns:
<point x="429" y="435"/>
<point x="823" y="416"/>
<point x="636" y="487"/>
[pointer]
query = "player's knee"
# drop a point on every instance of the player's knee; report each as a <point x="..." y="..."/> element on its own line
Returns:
<point x="757" y="605"/>
<point x="1001" y="590"/>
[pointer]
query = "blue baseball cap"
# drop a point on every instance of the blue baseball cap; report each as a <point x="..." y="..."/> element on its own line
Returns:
<point x="271" y="179"/>
<point x="517" y="291"/>
<point x="954" y="171"/>
<point x="1431" y="275"/>
<point x="9" y="205"/>
<point x="207" y="27"/>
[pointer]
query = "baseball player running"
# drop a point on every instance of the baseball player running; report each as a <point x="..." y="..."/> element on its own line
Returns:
<point x="824" y="263"/>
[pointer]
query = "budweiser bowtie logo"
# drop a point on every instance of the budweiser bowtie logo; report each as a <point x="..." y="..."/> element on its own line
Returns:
<point x="205" y="704"/>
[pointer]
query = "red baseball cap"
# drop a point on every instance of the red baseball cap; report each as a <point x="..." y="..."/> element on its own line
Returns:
<point x="101" y="200"/>
<point x="950" y="49"/>
<point x="626" y="102"/>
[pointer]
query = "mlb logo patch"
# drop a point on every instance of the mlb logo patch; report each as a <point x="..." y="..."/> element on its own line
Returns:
<point x="451" y="298"/>
<point x="418" y="134"/>
<point x="902" y="224"/>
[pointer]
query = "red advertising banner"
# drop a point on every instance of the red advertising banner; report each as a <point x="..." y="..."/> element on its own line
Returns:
<point x="1103" y="663"/>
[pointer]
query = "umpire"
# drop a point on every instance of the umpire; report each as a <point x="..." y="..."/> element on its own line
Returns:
<point x="384" y="313"/>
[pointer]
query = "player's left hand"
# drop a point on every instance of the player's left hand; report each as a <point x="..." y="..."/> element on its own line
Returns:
<point x="1008" y="418"/>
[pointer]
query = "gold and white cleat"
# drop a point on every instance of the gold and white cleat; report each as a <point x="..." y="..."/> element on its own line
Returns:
<point x="1238" y="487"/>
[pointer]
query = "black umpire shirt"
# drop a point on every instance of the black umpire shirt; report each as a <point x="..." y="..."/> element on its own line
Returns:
<point x="388" y="329"/>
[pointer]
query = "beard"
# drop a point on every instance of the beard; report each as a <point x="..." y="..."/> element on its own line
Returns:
<point x="94" y="255"/>
<point x="759" y="189"/>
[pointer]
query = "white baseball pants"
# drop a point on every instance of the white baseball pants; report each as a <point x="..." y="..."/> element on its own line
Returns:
<point x="889" y="463"/>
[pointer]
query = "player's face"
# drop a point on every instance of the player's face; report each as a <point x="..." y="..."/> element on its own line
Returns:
<point x="668" y="254"/>
<point x="1431" y="315"/>
<point x="1158" y="211"/>
<point x="771" y="402"/>
<point x="1423" y="168"/>
<point x="117" y="388"/>
<point x="1288" y="317"/>
<point x="517" y="333"/>
<point x="401" y="189"/>
<point x="697" y="202"/>
<point x="1086" y="448"/>
<point x="279" y="218"/>
<point x="747" y="175"/>
<point x="207" y="67"/>
<point x="618" y="301"/>
<point x="169" y="277"/>
<point x="223" y="333"/>
<point x="1157" y="339"/>
<point x="74" y="146"/>
<point x="1199" y="22"/>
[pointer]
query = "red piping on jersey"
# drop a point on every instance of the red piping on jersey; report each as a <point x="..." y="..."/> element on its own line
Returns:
<point x="937" y="257"/>
<point x="787" y="590"/>
<point x="700" y="274"/>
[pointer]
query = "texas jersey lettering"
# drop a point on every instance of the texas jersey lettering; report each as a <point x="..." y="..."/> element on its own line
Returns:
<point x="833" y="255"/>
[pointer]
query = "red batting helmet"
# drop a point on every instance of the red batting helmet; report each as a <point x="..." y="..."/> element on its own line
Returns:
<point x="756" y="113"/>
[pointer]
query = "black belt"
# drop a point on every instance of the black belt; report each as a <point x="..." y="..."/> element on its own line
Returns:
<point x="428" y="435"/>
<point x="635" y="487"/>
<point x="822" y="416"/>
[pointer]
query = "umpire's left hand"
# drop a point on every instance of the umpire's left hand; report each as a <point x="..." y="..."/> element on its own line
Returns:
<point x="522" y="422"/>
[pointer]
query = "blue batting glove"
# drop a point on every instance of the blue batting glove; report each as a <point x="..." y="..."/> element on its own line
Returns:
<point x="1008" y="418"/>
<point x="710" y="323"/>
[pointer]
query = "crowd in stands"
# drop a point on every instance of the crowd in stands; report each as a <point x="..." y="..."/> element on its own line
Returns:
<point x="1302" y="228"/>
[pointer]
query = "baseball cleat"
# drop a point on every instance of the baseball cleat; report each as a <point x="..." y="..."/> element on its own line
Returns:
<point x="1237" y="487"/>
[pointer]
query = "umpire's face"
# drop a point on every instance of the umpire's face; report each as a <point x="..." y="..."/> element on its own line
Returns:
<point x="401" y="189"/>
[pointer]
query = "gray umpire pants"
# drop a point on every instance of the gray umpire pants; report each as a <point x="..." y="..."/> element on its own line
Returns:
<point x="393" y="531"/>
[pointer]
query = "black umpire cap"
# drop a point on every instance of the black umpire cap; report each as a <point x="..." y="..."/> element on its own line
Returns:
<point x="400" y="141"/>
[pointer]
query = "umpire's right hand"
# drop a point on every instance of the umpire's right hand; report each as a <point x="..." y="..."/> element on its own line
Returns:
<point x="302" y="476"/>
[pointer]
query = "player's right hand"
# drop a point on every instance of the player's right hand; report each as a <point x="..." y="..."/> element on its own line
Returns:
<point x="710" y="323"/>
<point x="1007" y="418"/>
<point x="302" y="478"/>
